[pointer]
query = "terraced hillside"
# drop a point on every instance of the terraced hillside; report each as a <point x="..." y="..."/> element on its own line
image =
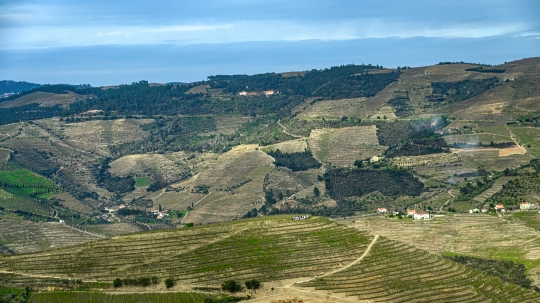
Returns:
<point x="267" y="249"/>
<point x="395" y="272"/>
<point x="326" y="260"/>
<point x="343" y="146"/>
<point x="470" y="234"/>
<point x="497" y="186"/>
<point x="21" y="236"/>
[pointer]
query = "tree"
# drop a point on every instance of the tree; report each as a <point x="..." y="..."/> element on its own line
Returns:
<point x="316" y="192"/>
<point x="231" y="286"/>
<point x="252" y="284"/>
<point x="169" y="282"/>
<point x="117" y="282"/>
<point x="359" y="163"/>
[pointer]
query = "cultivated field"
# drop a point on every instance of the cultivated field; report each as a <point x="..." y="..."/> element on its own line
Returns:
<point x="44" y="99"/>
<point x="343" y="146"/>
<point x="171" y="166"/>
<point x="23" y="236"/>
<point x="396" y="272"/>
<point x="493" y="189"/>
<point x="431" y="159"/>
<point x="97" y="135"/>
<point x="293" y="146"/>
<point x="241" y="171"/>
<point x="334" y="109"/>
<point x="471" y="234"/>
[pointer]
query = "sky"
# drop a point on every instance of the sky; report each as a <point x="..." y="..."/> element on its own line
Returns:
<point x="112" y="42"/>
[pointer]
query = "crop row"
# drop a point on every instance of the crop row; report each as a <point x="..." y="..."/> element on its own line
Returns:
<point x="395" y="272"/>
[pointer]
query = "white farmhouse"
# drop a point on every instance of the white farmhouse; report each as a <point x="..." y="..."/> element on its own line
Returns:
<point x="421" y="216"/>
<point x="381" y="210"/>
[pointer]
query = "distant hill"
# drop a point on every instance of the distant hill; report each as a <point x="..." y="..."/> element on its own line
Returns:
<point x="9" y="86"/>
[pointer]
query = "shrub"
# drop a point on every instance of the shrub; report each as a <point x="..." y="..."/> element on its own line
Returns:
<point x="117" y="282"/>
<point x="252" y="284"/>
<point x="169" y="282"/>
<point x="231" y="286"/>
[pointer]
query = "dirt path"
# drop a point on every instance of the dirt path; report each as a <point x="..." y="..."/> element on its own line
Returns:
<point x="446" y="203"/>
<point x="290" y="289"/>
<point x="182" y="222"/>
<point x="285" y="130"/>
<point x="366" y="252"/>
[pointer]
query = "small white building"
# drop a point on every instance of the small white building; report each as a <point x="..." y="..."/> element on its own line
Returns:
<point x="410" y="212"/>
<point x="499" y="207"/>
<point x="528" y="205"/>
<point x="421" y="216"/>
<point x="382" y="210"/>
<point x="484" y="209"/>
<point x="243" y="93"/>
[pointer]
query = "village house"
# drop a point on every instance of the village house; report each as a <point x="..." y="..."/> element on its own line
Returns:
<point x="528" y="205"/>
<point x="524" y="206"/>
<point x="381" y="210"/>
<point x="410" y="212"/>
<point x="499" y="207"/>
<point x="423" y="215"/>
<point x="484" y="209"/>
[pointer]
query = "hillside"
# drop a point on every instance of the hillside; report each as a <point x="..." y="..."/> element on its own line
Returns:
<point x="81" y="164"/>
<point x="288" y="257"/>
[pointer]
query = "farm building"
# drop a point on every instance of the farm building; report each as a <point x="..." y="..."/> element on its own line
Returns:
<point x="528" y="205"/>
<point x="484" y="209"/>
<point x="381" y="210"/>
<point x="499" y="207"/>
<point x="410" y="212"/>
<point x="421" y="216"/>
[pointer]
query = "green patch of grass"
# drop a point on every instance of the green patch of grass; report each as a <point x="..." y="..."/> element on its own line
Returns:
<point x="25" y="177"/>
<point x="529" y="138"/>
<point x="4" y="194"/>
<point x="530" y="218"/>
<point x="144" y="181"/>
<point x="47" y="195"/>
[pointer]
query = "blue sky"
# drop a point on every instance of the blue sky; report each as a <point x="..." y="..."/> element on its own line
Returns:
<point x="112" y="42"/>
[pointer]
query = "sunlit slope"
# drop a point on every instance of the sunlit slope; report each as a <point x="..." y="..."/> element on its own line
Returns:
<point x="265" y="248"/>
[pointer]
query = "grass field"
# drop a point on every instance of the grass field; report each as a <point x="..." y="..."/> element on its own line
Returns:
<point x="24" y="177"/>
<point x="44" y="99"/>
<point x="529" y="137"/>
<point x="4" y="194"/>
<point x="143" y="181"/>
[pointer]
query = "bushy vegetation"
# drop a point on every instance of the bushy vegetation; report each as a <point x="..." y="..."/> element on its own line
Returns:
<point x="8" y="86"/>
<point x="506" y="270"/>
<point x="459" y="91"/>
<point x="356" y="86"/>
<point x="112" y="183"/>
<point x="481" y="69"/>
<point x="401" y="107"/>
<point x="295" y="161"/>
<point x="341" y="183"/>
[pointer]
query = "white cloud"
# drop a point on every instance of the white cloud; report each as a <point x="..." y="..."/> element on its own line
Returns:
<point x="27" y="37"/>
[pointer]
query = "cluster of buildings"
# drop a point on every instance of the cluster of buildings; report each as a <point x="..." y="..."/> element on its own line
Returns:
<point x="528" y="206"/>
<point x="6" y="95"/>
<point x="159" y="214"/>
<point x="266" y="93"/>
